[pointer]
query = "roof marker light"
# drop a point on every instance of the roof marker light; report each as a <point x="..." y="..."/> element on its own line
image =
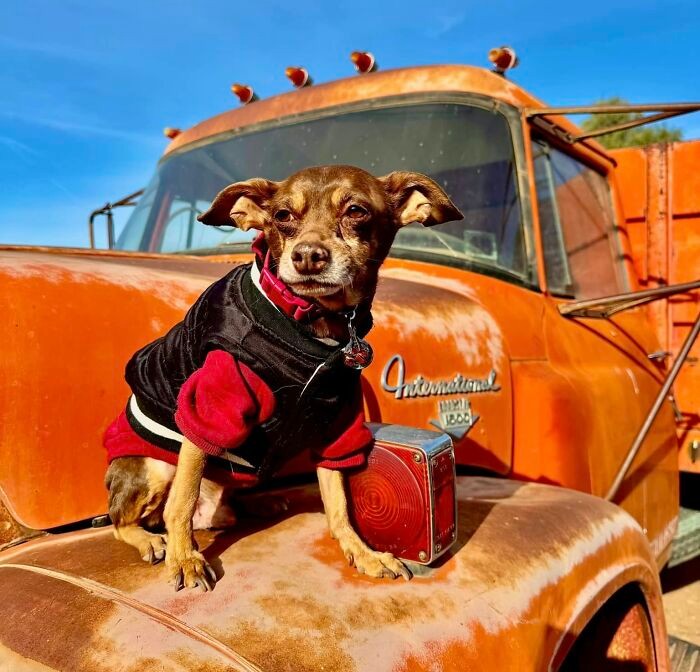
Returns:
<point x="298" y="76"/>
<point x="363" y="61"/>
<point x="170" y="132"/>
<point x="503" y="58"/>
<point x="244" y="93"/>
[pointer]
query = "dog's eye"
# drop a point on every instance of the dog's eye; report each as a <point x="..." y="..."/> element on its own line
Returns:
<point x="356" y="212"/>
<point x="283" y="216"/>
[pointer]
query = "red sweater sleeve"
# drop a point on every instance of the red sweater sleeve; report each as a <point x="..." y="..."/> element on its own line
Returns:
<point x="351" y="447"/>
<point x="220" y="404"/>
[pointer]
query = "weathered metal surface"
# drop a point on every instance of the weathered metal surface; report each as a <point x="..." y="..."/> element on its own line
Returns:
<point x="660" y="189"/>
<point x="531" y="566"/>
<point x="78" y="317"/>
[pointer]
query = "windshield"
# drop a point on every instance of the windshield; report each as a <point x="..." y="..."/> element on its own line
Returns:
<point x="467" y="149"/>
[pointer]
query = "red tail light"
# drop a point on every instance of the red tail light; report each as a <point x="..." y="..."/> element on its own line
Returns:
<point x="171" y="133"/>
<point x="298" y="76"/>
<point x="403" y="501"/>
<point x="503" y="58"/>
<point x="363" y="61"/>
<point x="244" y="93"/>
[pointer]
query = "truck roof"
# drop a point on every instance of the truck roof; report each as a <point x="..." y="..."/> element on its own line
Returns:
<point x="375" y="85"/>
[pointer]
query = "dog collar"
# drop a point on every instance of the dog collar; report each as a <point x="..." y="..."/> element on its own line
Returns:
<point x="357" y="354"/>
<point x="291" y="305"/>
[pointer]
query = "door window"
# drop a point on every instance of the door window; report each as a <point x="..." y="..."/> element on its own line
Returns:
<point x="581" y="252"/>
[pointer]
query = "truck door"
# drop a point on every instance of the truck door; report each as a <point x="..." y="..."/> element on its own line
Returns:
<point x="611" y="384"/>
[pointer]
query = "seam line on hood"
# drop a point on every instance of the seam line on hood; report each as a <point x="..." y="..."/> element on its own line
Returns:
<point x="156" y="614"/>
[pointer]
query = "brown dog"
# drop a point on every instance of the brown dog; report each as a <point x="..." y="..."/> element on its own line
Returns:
<point x="328" y="230"/>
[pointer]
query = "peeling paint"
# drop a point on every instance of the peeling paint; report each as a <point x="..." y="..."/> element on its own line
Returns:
<point x="178" y="290"/>
<point x="286" y="598"/>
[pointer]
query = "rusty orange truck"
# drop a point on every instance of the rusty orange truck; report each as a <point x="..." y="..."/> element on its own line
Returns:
<point x="525" y="332"/>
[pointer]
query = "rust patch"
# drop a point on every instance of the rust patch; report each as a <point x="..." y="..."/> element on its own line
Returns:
<point x="400" y="609"/>
<point x="49" y="621"/>
<point x="10" y="529"/>
<point x="291" y="611"/>
<point x="284" y="650"/>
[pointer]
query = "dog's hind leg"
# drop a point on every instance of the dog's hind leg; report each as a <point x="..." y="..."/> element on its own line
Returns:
<point x="137" y="488"/>
<point x="151" y="546"/>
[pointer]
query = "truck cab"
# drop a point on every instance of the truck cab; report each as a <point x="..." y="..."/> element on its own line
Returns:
<point x="470" y="339"/>
<point x="477" y="299"/>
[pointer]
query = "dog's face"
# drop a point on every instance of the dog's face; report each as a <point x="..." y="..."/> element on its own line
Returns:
<point x="329" y="228"/>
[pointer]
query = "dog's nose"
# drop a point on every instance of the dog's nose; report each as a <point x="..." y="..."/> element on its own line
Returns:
<point x="310" y="258"/>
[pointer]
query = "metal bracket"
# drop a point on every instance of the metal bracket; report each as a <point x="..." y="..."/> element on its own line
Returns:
<point x="106" y="210"/>
<point x="662" y="110"/>
<point x="607" y="306"/>
<point x="654" y="410"/>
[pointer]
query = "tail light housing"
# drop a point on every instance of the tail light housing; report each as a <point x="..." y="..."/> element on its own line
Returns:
<point x="404" y="500"/>
<point x="170" y="132"/>
<point x="298" y="76"/>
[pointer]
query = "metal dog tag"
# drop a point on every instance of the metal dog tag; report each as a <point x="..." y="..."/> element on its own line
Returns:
<point x="358" y="352"/>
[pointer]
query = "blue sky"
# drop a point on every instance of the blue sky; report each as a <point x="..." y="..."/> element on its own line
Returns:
<point x="86" y="86"/>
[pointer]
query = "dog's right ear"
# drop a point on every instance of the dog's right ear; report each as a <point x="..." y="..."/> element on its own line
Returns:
<point x="242" y="204"/>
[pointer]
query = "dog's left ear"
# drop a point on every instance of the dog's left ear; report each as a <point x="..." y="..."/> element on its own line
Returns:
<point x="242" y="204"/>
<point x="416" y="198"/>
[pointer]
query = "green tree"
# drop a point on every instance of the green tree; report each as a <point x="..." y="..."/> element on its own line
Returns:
<point x="633" y="137"/>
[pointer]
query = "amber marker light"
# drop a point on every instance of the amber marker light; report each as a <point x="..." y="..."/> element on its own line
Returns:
<point x="298" y="76"/>
<point x="244" y="93"/>
<point x="363" y="61"/>
<point x="170" y="132"/>
<point x="503" y="58"/>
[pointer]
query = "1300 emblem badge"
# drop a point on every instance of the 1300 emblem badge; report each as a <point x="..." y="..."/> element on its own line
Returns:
<point x="456" y="417"/>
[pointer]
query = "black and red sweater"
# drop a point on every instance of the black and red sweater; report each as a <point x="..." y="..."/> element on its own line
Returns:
<point x="247" y="384"/>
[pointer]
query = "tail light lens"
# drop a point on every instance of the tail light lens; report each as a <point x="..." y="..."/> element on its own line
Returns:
<point x="170" y="132"/>
<point x="403" y="500"/>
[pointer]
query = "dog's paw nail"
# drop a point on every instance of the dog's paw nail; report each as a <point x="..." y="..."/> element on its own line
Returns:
<point x="210" y="573"/>
<point x="179" y="582"/>
<point x="388" y="573"/>
<point x="350" y="559"/>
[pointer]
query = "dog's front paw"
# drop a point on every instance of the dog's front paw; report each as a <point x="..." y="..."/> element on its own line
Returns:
<point x="381" y="565"/>
<point x="190" y="571"/>
<point x="373" y="563"/>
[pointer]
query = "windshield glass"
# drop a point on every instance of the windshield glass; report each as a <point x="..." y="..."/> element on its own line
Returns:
<point x="467" y="149"/>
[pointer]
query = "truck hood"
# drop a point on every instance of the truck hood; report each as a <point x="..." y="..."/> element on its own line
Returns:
<point x="77" y="316"/>
<point x="531" y="563"/>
